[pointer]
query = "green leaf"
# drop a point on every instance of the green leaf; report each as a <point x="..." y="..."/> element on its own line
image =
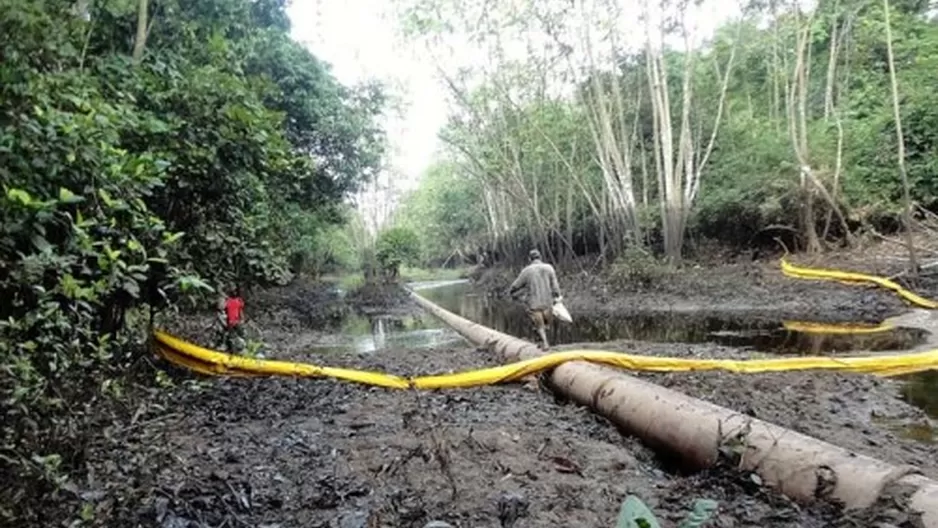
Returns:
<point x="19" y="195"/>
<point x="702" y="512"/>
<point x="87" y="512"/>
<point x="189" y="283"/>
<point x="106" y="197"/>
<point x="134" y="245"/>
<point x="132" y="288"/>
<point x="40" y="243"/>
<point x="169" y="238"/>
<point x="635" y="514"/>
<point x="68" y="197"/>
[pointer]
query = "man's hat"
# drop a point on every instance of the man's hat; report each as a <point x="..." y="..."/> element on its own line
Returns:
<point x="534" y="254"/>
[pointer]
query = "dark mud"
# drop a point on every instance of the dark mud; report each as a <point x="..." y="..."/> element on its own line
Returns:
<point x="864" y="414"/>
<point x="754" y="289"/>
<point x="318" y="453"/>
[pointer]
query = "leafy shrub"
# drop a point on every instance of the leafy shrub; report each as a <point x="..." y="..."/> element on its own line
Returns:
<point x="79" y="248"/>
<point x="394" y="247"/>
<point x="127" y="187"/>
<point x="636" y="268"/>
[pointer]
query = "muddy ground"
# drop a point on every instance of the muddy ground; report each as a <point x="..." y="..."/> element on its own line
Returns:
<point x="317" y="453"/>
<point x="864" y="414"/>
<point x="756" y="289"/>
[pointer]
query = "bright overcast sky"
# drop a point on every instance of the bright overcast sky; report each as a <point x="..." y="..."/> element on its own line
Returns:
<point x="358" y="37"/>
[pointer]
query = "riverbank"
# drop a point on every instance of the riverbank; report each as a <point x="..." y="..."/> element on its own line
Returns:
<point x="280" y="452"/>
<point x="756" y="288"/>
<point x="307" y="453"/>
<point x="352" y="281"/>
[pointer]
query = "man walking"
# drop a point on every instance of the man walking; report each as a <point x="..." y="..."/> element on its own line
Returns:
<point x="538" y="281"/>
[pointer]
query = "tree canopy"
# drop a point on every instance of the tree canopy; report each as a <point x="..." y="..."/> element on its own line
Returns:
<point x="594" y="138"/>
<point x="150" y="152"/>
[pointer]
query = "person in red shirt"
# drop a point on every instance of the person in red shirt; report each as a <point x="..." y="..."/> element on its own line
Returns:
<point x="231" y="314"/>
<point x="234" y="307"/>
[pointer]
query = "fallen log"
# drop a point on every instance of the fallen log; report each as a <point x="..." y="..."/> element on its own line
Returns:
<point x="698" y="433"/>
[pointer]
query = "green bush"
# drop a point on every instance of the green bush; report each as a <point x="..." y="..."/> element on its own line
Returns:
<point x="79" y="249"/>
<point x="127" y="187"/>
<point x="394" y="247"/>
<point x="637" y="268"/>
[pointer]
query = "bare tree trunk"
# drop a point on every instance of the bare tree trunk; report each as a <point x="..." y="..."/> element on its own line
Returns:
<point x="835" y="187"/>
<point x="906" y="195"/>
<point x="670" y="190"/>
<point x="569" y="220"/>
<point x="776" y="92"/>
<point x="680" y="169"/>
<point x="692" y="187"/>
<point x="606" y="110"/>
<point x="685" y="160"/>
<point x="831" y="69"/>
<point x="641" y="146"/>
<point x="797" y="123"/>
<point x="140" y="41"/>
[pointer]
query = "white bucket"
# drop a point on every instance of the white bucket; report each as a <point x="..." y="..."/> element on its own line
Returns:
<point x="561" y="312"/>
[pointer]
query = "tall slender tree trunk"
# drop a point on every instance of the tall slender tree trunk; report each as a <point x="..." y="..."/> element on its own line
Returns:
<point x="906" y="194"/>
<point x="797" y="124"/>
<point x="831" y="68"/>
<point x="140" y="41"/>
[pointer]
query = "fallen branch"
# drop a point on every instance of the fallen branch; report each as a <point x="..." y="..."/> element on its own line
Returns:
<point x="885" y="238"/>
<point x="923" y="267"/>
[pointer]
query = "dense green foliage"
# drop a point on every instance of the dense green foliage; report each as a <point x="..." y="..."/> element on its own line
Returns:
<point x="445" y="211"/>
<point x="528" y="162"/>
<point x="394" y="247"/>
<point x="220" y="157"/>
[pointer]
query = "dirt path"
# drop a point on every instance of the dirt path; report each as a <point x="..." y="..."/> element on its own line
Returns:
<point x="317" y="453"/>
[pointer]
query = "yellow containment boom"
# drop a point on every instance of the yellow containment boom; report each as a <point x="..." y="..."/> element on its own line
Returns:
<point x="806" y="327"/>
<point x="211" y="362"/>
<point x="850" y="277"/>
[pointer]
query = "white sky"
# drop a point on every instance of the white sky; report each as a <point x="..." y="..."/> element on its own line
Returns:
<point x="359" y="39"/>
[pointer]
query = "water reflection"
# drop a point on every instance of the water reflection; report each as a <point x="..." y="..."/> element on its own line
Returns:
<point x="369" y="334"/>
<point x="365" y="335"/>
<point x="759" y="335"/>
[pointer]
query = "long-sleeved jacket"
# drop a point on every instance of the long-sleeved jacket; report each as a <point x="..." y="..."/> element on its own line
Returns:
<point x="540" y="281"/>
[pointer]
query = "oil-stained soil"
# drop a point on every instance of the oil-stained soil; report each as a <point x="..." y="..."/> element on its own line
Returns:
<point x="271" y="452"/>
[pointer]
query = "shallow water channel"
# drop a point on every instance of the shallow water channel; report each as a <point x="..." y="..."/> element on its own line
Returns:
<point x="374" y="333"/>
<point x="371" y="334"/>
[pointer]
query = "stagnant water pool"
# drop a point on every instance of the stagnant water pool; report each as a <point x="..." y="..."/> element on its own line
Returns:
<point x="371" y="334"/>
